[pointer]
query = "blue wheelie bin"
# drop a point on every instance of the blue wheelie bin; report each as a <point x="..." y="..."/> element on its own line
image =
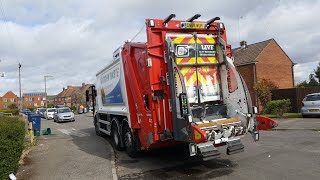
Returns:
<point x="36" y="123"/>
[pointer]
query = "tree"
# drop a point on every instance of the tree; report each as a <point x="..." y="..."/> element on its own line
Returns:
<point x="312" y="80"/>
<point x="263" y="91"/>
<point x="317" y="73"/>
<point x="302" y="84"/>
<point x="12" y="106"/>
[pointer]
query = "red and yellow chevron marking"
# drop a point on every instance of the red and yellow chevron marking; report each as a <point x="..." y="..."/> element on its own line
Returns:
<point x="204" y="75"/>
<point x="206" y="40"/>
<point x="207" y="75"/>
<point x="191" y="40"/>
<point x="190" y="75"/>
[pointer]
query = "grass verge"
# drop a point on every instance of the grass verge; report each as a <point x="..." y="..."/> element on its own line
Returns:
<point x="12" y="135"/>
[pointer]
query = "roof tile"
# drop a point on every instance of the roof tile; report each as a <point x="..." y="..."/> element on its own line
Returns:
<point x="249" y="55"/>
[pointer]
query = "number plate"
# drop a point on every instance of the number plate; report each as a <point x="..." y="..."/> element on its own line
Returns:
<point x="314" y="110"/>
<point x="191" y="25"/>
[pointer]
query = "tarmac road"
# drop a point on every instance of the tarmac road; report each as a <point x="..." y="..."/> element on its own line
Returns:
<point x="75" y="152"/>
<point x="290" y="152"/>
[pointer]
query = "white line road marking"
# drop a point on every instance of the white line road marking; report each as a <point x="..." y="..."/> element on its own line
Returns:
<point x="74" y="132"/>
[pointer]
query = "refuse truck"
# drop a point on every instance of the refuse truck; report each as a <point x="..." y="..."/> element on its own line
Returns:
<point x="178" y="87"/>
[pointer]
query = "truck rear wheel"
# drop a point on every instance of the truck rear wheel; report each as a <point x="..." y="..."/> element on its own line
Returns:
<point x="96" y="127"/>
<point x="116" y="136"/>
<point x="130" y="142"/>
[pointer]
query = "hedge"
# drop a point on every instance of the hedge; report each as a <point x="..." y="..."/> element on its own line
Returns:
<point x="278" y="107"/>
<point x="13" y="111"/>
<point x="12" y="134"/>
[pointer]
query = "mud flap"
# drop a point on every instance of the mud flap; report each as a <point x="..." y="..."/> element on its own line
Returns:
<point x="235" y="147"/>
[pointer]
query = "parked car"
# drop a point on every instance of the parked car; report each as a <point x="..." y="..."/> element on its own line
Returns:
<point x="48" y="114"/>
<point x="311" y="105"/>
<point x="26" y="111"/>
<point x="63" y="114"/>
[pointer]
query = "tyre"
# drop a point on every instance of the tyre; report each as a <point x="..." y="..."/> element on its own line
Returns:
<point x="130" y="141"/>
<point x="116" y="136"/>
<point x="96" y="127"/>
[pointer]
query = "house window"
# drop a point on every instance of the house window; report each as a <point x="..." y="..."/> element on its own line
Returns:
<point x="5" y="100"/>
<point x="13" y="100"/>
<point x="38" y="98"/>
<point x="30" y="99"/>
<point x="35" y="104"/>
<point x="5" y="106"/>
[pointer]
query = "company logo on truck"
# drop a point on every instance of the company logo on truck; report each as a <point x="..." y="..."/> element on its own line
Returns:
<point x="110" y="86"/>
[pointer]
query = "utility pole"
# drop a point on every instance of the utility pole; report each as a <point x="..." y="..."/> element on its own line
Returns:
<point x="45" y="89"/>
<point x="20" y="100"/>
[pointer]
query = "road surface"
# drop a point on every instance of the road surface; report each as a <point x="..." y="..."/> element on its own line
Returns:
<point x="75" y="152"/>
<point x="72" y="152"/>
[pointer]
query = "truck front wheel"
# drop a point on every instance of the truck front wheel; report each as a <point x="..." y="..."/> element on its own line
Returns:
<point x="130" y="142"/>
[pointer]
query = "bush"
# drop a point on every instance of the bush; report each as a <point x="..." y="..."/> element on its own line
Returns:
<point x="32" y="108"/>
<point x="278" y="107"/>
<point x="13" y="111"/>
<point x="12" y="134"/>
<point x="263" y="90"/>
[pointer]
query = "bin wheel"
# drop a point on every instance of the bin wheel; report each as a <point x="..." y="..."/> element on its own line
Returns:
<point x="130" y="141"/>
<point x="116" y="136"/>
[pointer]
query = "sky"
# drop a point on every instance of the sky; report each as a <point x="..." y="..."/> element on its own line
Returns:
<point x="71" y="40"/>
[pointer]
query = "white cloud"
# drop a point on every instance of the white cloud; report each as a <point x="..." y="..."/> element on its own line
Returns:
<point x="72" y="40"/>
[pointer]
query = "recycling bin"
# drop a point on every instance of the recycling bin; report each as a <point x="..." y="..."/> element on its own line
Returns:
<point x="35" y="119"/>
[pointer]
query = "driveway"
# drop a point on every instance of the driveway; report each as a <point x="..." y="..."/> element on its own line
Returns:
<point x="72" y="152"/>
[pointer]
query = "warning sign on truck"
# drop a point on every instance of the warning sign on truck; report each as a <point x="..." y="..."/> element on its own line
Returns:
<point x="207" y="50"/>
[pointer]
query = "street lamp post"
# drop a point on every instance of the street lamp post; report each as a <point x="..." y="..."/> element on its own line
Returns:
<point x="20" y="100"/>
<point x="45" y="91"/>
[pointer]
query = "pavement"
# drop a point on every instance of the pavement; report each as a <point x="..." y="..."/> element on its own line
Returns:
<point x="72" y="152"/>
<point x="292" y="151"/>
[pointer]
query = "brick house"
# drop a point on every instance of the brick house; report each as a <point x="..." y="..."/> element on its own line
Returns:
<point x="263" y="60"/>
<point x="7" y="99"/>
<point x="34" y="99"/>
<point x="72" y="95"/>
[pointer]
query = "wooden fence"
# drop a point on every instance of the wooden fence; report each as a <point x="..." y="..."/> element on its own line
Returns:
<point x="295" y="95"/>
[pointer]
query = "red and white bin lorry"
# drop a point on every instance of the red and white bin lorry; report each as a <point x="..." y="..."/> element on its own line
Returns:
<point x="179" y="87"/>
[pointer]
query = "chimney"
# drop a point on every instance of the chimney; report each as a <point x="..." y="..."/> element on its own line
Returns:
<point x="243" y="44"/>
<point x="83" y="84"/>
<point x="63" y="89"/>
